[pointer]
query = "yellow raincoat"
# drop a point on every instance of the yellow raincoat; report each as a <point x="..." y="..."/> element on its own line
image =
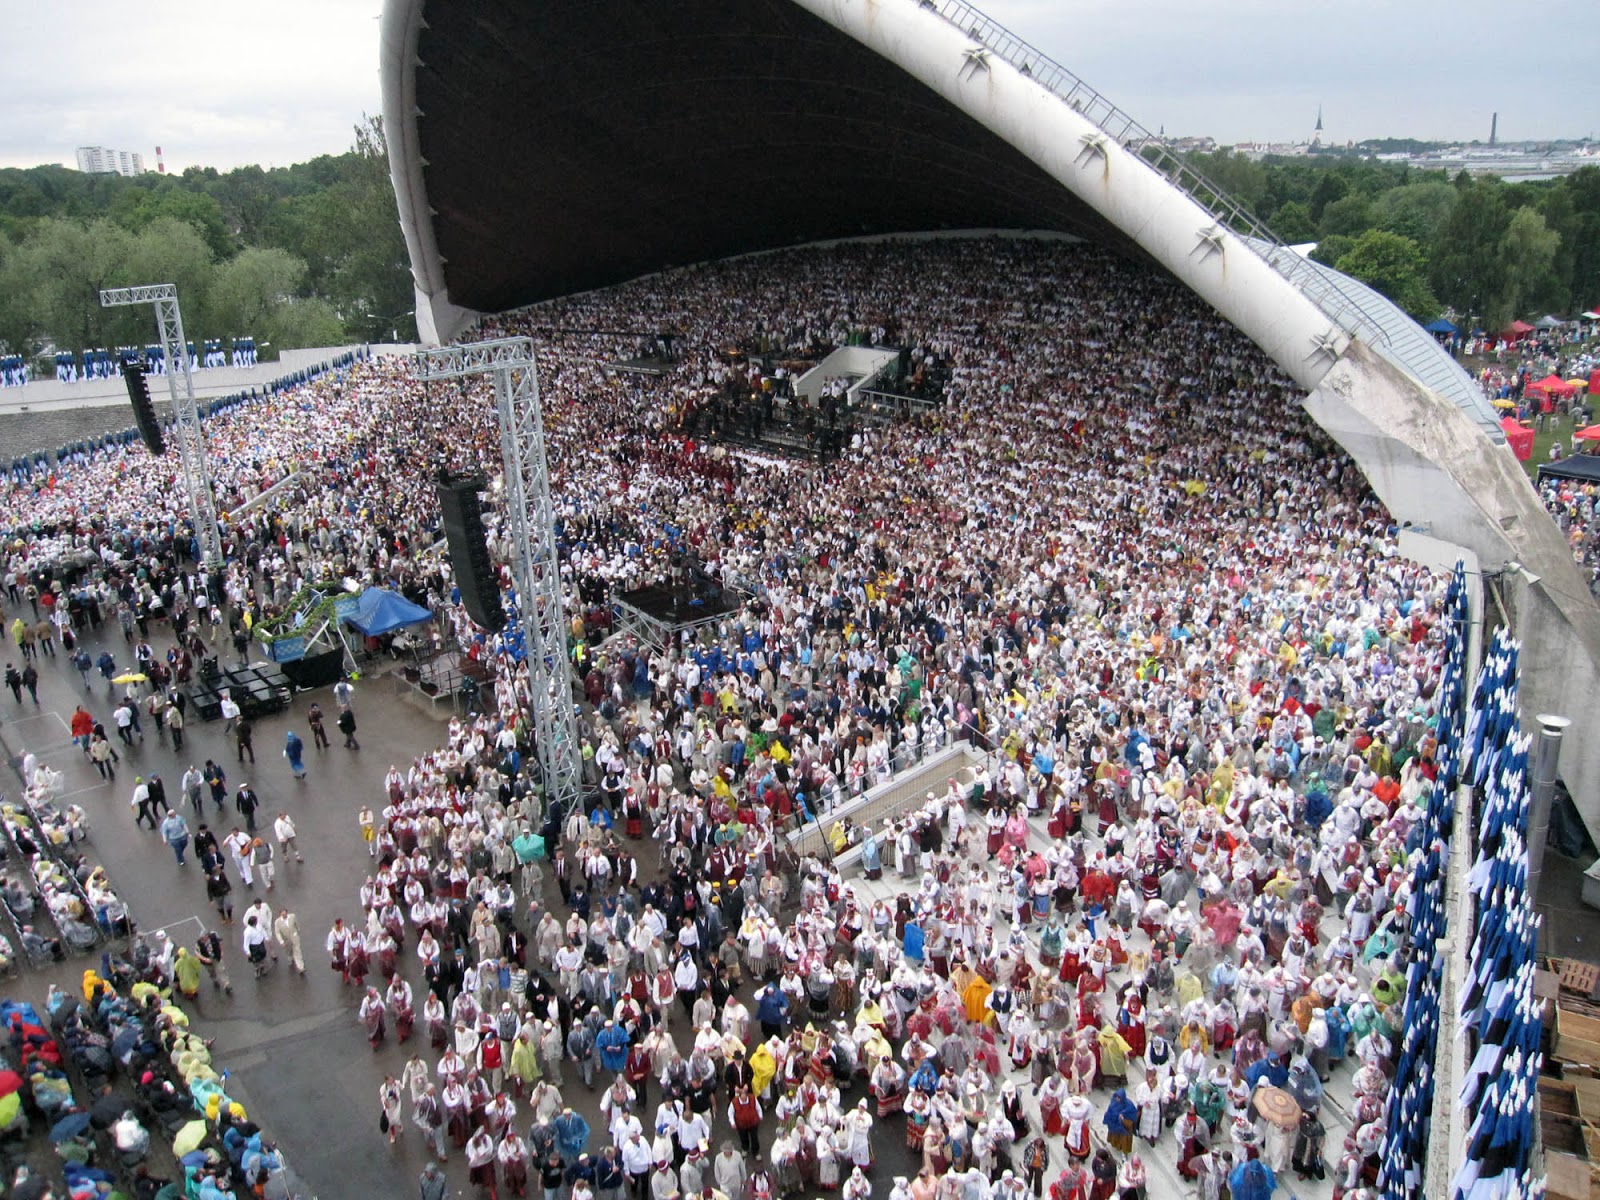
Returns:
<point x="1113" y="1052"/>
<point x="976" y="1000"/>
<point x="1189" y="989"/>
<point x="762" y="1068"/>
<point x="525" y="1060"/>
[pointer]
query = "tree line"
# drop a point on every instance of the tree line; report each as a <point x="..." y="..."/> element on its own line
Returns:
<point x="306" y="255"/>
<point x="1480" y="248"/>
<point x="312" y="254"/>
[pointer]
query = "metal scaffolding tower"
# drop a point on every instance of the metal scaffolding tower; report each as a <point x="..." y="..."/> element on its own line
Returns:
<point x="535" y="565"/>
<point x="186" y="416"/>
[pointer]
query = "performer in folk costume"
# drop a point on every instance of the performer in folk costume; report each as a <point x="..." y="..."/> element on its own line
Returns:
<point x="632" y="815"/>
<point x="918" y="1111"/>
<point x="373" y="1017"/>
<point x="1053" y="1094"/>
<point x="1078" y="1116"/>
<point x="1131" y="1023"/>
<point x="888" y="1085"/>
<point x="1072" y="1184"/>
<point x="399" y="1000"/>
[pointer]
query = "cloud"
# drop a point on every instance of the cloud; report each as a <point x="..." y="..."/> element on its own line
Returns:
<point x="1242" y="69"/>
<point x="212" y="84"/>
<point x="281" y="81"/>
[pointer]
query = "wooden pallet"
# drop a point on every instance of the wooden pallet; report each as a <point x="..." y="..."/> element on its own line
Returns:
<point x="1578" y="976"/>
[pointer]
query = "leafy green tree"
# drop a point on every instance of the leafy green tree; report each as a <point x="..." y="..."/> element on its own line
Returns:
<point x="169" y="250"/>
<point x="18" y="324"/>
<point x="1528" y="249"/>
<point x="1347" y="216"/>
<point x="1331" y="249"/>
<point x="1467" y="271"/>
<point x="1583" y="236"/>
<point x="1292" y="222"/>
<point x="349" y="235"/>
<point x="1289" y="181"/>
<point x="68" y="264"/>
<point x="136" y="208"/>
<point x="1329" y="188"/>
<point x="1417" y="211"/>
<point x="304" y="321"/>
<point x="1395" y="266"/>
<point x="1561" y="218"/>
<point x="246" y="289"/>
<point x="1235" y="174"/>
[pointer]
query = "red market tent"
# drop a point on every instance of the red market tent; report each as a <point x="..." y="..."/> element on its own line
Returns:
<point x="1552" y="385"/>
<point x="1519" y="437"/>
<point x="1515" y="330"/>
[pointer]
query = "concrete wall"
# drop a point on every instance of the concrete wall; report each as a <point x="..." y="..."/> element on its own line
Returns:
<point x="905" y="791"/>
<point x="1436" y="470"/>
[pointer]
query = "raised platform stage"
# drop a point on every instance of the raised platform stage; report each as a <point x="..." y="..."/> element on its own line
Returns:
<point x="658" y="614"/>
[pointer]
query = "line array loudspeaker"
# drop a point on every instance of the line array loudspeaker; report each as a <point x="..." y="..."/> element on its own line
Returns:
<point x="462" y="517"/>
<point x="144" y="411"/>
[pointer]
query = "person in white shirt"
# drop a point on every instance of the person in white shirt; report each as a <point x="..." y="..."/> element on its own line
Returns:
<point x="692" y="1130"/>
<point x="286" y="932"/>
<point x="283" y="829"/>
<point x="254" y="939"/>
<point x="637" y="1161"/>
<point x="238" y="844"/>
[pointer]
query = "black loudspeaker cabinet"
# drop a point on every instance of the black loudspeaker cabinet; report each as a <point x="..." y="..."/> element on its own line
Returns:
<point x="144" y="411"/>
<point x="462" y="517"/>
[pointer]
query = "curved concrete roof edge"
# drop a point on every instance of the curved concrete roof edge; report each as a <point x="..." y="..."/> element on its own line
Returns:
<point x="400" y="26"/>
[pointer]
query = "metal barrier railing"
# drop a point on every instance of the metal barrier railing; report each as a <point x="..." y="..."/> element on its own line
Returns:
<point x="1340" y="307"/>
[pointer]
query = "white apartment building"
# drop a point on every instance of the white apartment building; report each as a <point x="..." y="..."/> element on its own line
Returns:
<point x="101" y="160"/>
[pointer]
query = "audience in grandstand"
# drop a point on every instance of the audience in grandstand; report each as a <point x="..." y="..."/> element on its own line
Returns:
<point x="1117" y="556"/>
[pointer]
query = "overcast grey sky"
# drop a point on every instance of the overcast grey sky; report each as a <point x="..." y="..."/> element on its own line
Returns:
<point x="281" y="81"/>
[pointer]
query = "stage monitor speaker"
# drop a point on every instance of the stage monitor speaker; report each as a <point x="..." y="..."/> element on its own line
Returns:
<point x="144" y="411"/>
<point x="462" y="517"/>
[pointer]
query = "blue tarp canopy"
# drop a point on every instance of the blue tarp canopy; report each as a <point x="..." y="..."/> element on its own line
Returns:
<point x="381" y="611"/>
<point x="1440" y="326"/>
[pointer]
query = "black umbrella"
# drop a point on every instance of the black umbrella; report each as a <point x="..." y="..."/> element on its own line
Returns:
<point x="69" y="1127"/>
<point x="108" y="1110"/>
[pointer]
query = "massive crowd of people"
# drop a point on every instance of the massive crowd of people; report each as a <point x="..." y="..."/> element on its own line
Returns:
<point x="1118" y="560"/>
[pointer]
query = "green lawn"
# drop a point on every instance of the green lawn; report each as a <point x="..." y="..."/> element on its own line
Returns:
<point x="1558" y="427"/>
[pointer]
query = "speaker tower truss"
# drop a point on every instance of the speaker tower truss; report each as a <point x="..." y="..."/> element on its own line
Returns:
<point x="536" y="568"/>
<point x="185" y="413"/>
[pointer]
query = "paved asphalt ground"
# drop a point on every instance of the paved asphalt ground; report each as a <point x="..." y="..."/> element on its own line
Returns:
<point x="296" y="1053"/>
